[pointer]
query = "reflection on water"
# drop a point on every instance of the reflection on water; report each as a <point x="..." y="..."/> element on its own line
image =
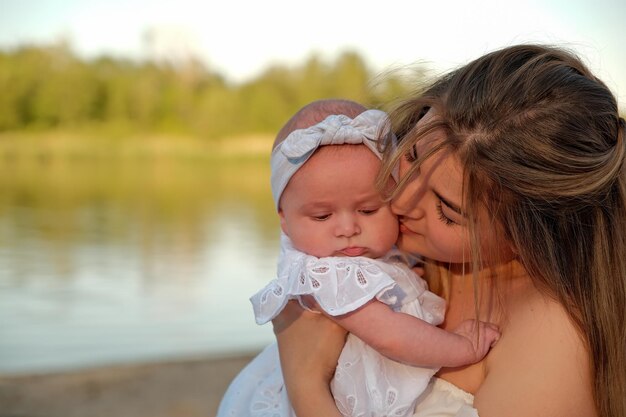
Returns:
<point x="105" y="261"/>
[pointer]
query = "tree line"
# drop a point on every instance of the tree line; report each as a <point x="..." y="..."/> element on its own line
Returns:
<point x="47" y="87"/>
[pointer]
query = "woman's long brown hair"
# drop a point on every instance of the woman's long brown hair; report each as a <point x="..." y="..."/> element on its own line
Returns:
<point x="543" y="148"/>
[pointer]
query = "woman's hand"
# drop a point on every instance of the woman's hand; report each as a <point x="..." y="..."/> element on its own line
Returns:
<point x="309" y="346"/>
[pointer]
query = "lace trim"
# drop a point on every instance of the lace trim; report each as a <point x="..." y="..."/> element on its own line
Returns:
<point x="342" y="284"/>
<point x="339" y="285"/>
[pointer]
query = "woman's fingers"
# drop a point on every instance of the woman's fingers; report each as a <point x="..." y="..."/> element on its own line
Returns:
<point x="307" y="341"/>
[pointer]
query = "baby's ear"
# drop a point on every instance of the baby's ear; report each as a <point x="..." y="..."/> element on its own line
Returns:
<point x="283" y="222"/>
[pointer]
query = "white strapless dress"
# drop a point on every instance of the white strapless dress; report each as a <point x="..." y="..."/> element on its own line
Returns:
<point x="443" y="399"/>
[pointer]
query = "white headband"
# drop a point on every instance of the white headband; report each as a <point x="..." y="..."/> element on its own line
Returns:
<point x="297" y="148"/>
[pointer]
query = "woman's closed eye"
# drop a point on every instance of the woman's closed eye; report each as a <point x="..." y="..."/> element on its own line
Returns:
<point x="411" y="155"/>
<point x="442" y="216"/>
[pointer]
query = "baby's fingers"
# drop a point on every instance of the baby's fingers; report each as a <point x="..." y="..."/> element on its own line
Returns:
<point x="496" y="333"/>
<point x="490" y="333"/>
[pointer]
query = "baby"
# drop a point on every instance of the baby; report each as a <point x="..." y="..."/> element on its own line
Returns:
<point x="338" y="257"/>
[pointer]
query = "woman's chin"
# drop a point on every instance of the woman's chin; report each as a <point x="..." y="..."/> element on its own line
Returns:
<point x="410" y="245"/>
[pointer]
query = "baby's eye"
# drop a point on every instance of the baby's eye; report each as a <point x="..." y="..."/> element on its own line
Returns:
<point x="321" y="217"/>
<point x="368" y="211"/>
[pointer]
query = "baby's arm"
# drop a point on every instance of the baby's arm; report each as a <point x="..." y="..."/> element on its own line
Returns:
<point x="409" y="340"/>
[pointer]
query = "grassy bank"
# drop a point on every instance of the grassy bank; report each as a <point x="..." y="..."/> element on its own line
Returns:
<point x="46" y="146"/>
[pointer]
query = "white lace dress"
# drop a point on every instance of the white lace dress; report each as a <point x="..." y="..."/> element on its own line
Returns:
<point x="365" y="383"/>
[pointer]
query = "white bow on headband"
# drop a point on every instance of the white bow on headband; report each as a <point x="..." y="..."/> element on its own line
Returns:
<point x="296" y="149"/>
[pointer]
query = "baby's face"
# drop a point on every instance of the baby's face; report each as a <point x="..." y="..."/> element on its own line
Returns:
<point x="332" y="208"/>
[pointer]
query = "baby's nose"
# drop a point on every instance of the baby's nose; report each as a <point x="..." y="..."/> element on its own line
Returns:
<point x="348" y="226"/>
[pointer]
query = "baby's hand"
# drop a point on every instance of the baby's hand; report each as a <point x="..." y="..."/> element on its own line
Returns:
<point x="480" y="335"/>
<point x="419" y="269"/>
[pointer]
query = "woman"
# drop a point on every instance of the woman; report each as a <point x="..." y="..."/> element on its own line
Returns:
<point x="513" y="184"/>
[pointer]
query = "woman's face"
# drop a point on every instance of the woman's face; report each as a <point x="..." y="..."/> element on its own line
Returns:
<point x="431" y="213"/>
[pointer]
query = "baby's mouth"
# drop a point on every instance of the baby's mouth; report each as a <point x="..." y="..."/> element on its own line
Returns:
<point x="353" y="251"/>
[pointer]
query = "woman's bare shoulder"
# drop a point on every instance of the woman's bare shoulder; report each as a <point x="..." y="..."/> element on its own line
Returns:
<point x="540" y="365"/>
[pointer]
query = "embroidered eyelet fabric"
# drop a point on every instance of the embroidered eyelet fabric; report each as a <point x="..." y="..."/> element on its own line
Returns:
<point x="365" y="382"/>
<point x="343" y="284"/>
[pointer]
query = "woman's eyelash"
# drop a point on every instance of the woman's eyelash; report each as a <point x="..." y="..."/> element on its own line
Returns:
<point x="411" y="155"/>
<point x="446" y="220"/>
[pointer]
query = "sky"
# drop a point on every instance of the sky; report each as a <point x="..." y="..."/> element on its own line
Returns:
<point x="240" y="38"/>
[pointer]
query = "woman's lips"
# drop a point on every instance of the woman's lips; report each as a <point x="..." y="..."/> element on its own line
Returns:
<point x="353" y="251"/>
<point x="405" y="229"/>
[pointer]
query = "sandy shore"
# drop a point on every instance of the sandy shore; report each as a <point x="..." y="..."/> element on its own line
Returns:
<point x="186" y="388"/>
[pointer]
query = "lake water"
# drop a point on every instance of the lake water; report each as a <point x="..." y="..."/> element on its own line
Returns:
<point x="107" y="262"/>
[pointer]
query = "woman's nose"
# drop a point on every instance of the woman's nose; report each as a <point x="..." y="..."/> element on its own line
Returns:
<point x="409" y="201"/>
<point x="347" y="226"/>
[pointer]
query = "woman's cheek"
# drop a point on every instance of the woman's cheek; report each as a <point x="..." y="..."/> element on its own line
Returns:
<point x="450" y="244"/>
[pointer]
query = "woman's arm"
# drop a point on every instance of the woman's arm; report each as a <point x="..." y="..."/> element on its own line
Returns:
<point x="309" y="346"/>
<point x="409" y="340"/>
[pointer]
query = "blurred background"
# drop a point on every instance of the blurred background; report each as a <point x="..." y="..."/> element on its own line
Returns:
<point x="135" y="211"/>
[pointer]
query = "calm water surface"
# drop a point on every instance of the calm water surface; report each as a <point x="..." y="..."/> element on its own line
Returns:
<point x="105" y="262"/>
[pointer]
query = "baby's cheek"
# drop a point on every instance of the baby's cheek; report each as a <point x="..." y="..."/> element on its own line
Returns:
<point x="315" y="244"/>
<point x="388" y="232"/>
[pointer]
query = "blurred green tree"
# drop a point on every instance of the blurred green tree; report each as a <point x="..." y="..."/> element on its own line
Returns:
<point x="50" y="87"/>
